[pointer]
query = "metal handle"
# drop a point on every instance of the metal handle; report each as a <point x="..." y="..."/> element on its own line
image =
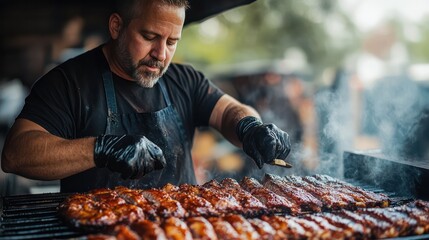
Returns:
<point x="281" y="163"/>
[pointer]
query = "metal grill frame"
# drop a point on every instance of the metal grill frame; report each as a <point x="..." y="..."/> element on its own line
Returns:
<point x="34" y="216"/>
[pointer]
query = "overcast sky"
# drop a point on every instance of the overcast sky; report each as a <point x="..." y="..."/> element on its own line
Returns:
<point x="368" y="13"/>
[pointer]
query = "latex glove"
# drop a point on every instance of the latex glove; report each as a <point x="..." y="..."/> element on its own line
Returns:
<point x="131" y="156"/>
<point x="262" y="142"/>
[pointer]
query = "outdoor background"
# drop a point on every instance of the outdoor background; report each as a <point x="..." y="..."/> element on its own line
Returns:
<point x="338" y="76"/>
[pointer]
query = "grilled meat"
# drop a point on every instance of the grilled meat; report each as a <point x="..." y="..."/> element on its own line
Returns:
<point x="372" y="199"/>
<point x="353" y="199"/>
<point x="272" y="201"/>
<point x="135" y="197"/>
<point x="356" y="230"/>
<point x="242" y="226"/>
<point x="377" y="227"/>
<point x="201" y="228"/>
<point x="329" y="198"/>
<point x="176" y="229"/>
<point x="286" y="228"/>
<point x="165" y="205"/>
<point x="223" y="229"/>
<point x="251" y="206"/>
<point x="148" y="230"/>
<point x="263" y="228"/>
<point x="82" y="211"/>
<point x="402" y="223"/>
<point x="193" y="204"/>
<point x="219" y="198"/>
<point x="299" y="196"/>
<point x="335" y="232"/>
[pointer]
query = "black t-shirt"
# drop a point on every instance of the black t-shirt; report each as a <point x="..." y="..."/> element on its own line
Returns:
<point x="70" y="102"/>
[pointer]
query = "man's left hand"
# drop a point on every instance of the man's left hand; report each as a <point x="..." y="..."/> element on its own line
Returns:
<point x="263" y="142"/>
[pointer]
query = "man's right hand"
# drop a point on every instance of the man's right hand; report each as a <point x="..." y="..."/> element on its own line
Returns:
<point x="130" y="155"/>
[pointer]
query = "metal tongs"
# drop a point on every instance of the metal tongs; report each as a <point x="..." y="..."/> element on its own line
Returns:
<point x="281" y="163"/>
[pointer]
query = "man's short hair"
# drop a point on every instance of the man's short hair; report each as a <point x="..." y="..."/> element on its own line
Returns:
<point x="127" y="8"/>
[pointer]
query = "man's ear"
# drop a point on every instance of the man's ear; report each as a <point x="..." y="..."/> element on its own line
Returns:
<point x="115" y="25"/>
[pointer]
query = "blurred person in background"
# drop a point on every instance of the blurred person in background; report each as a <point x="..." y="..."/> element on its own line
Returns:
<point x="123" y="114"/>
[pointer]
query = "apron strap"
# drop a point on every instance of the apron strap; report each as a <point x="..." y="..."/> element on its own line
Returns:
<point x="112" y="109"/>
<point x="165" y="94"/>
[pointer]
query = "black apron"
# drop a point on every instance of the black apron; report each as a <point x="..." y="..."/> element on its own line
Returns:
<point x="164" y="128"/>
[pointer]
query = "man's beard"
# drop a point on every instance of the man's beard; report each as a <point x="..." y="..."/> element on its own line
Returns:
<point x="145" y="79"/>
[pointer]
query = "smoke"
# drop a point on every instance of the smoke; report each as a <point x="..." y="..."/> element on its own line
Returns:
<point x="393" y="112"/>
<point x="395" y="109"/>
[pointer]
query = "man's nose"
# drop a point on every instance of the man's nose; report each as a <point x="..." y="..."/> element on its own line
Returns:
<point x="159" y="51"/>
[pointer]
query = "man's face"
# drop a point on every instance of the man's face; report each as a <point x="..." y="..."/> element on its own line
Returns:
<point x="146" y="46"/>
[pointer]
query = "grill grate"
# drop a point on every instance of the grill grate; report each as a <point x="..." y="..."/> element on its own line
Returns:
<point x="35" y="216"/>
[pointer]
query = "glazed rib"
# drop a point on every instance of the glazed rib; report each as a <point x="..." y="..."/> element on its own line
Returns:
<point x="335" y="232"/>
<point x="221" y="200"/>
<point x="330" y="199"/>
<point x="242" y="226"/>
<point x="372" y="199"/>
<point x="250" y="204"/>
<point x="193" y="204"/>
<point x="146" y="229"/>
<point x="272" y="201"/>
<point x="402" y="223"/>
<point x="377" y="227"/>
<point x="201" y="228"/>
<point x="80" y="210"/>
<point x="357" y="230"/>
<point x="286" y="228"/>
<point x="223" y="229"/>
<point x="175" y="228"/>
<point x="353" y="199"/>
<point x="165" y="205"/>
<point x="302" y="198"/>
<point x="135" y="197"/>
<point x="421" y="216"/>
<point x="313" y="229"/>
<point x="125" y="232"/>
<point x="263" y="228"/>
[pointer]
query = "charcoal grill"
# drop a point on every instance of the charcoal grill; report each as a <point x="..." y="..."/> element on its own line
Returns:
<point x="35" y="216"/>
<point x="406" y="177"/>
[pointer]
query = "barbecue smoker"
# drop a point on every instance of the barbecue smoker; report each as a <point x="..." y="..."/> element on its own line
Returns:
<point x="36" y="216"/>
<point x="404" y="177"/>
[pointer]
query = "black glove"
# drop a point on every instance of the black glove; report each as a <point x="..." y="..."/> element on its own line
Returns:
<point x="132" y="156"/>
<point x="262" y="142"/>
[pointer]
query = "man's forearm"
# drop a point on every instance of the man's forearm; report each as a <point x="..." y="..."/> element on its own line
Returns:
<point x="42" y="156"/>
<point x="227" y="113"/>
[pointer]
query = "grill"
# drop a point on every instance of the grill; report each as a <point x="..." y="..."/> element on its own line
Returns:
<point x="34" y="216"/>
<point x="405" y="177"/>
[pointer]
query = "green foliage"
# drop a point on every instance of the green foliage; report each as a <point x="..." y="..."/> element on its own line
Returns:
<point x="266" y="29"/>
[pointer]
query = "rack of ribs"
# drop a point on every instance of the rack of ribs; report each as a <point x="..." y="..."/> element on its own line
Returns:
<point x="83" y="212"/>
<point x="242" y="226"/>
<point x="330" y="198"/>
<point x="223" y="229"/>
<point x="354" y="199"/>
<point x="165" y="205"/>
<point x="135" y="197"/>
<point x="302" y="198"/>
<point x="371" y="199"/>
<point x="251" y="206"/>
<point x="221" y="200"/>
<point x="273" y="201"/>
<point x="263" y="228"/>
<point x="175" y="228"/>
<point x="201" y="228"/>
<point x="193" y="204"/>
